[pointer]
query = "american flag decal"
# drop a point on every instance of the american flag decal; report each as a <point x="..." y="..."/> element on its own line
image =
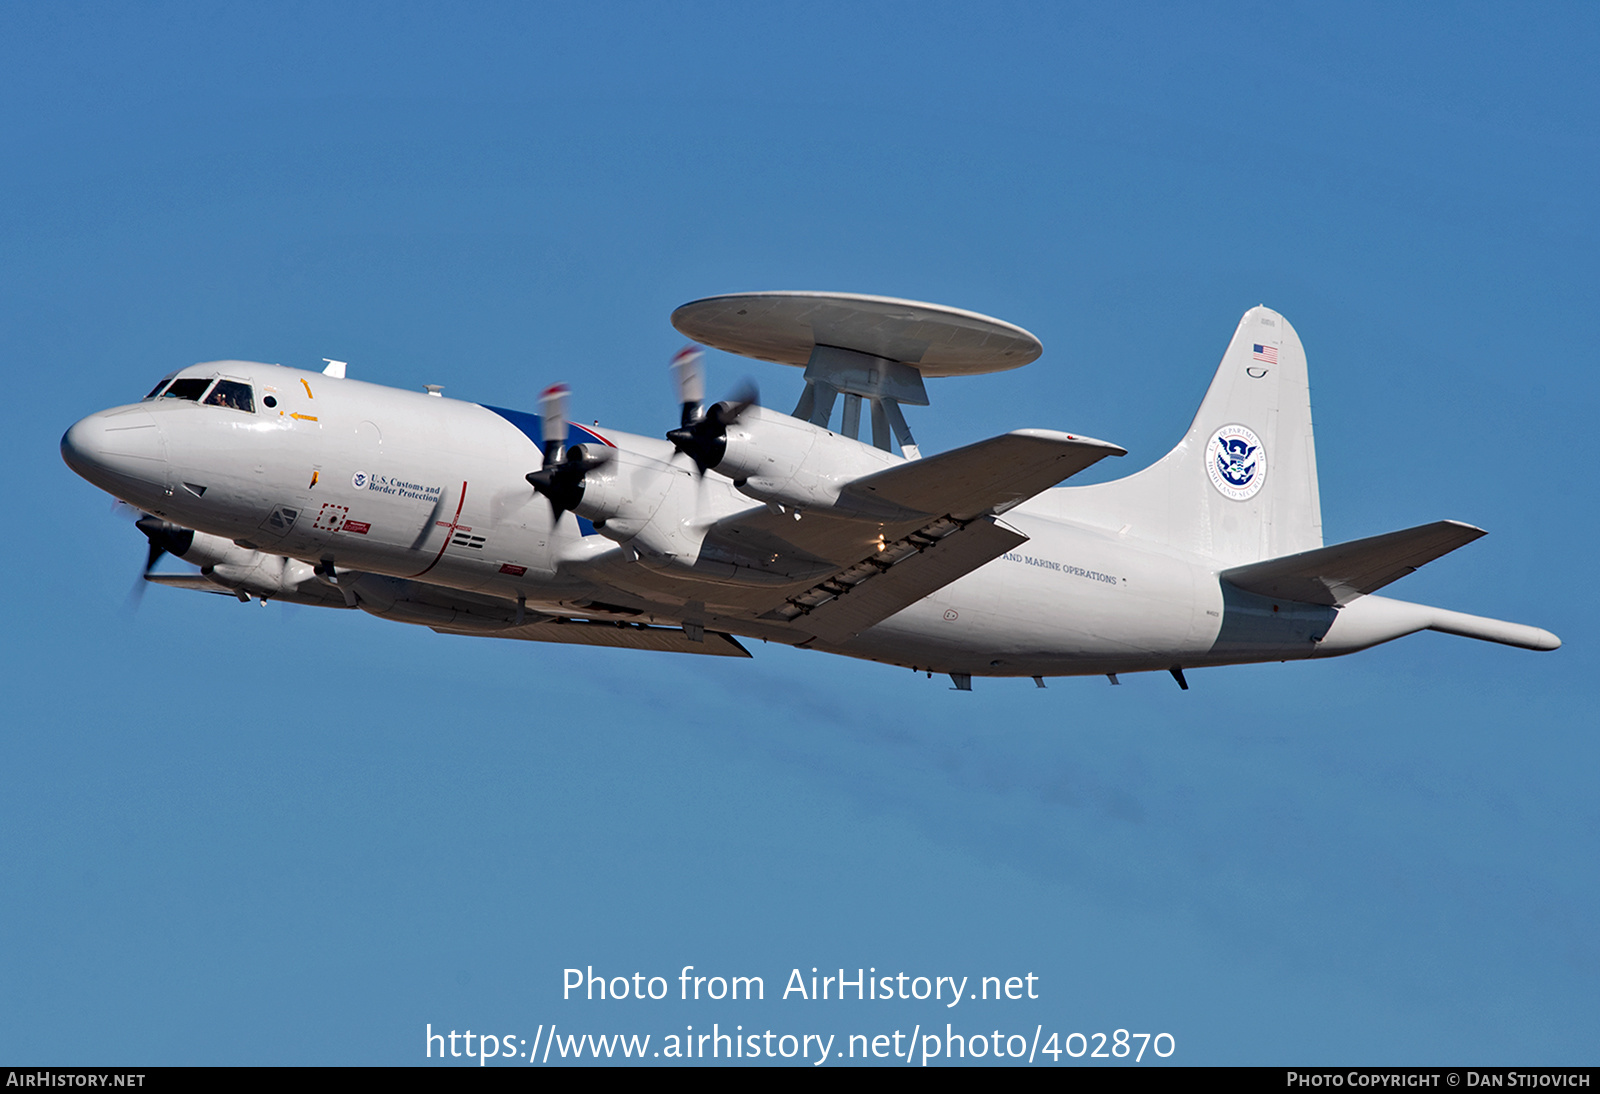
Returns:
<point x="1269" y="354"/>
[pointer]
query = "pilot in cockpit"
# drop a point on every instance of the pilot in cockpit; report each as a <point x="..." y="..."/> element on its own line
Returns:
<point x="233" y="395"/>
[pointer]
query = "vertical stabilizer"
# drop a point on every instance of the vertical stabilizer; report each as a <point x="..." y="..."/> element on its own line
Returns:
<point x="1242" y="484"/>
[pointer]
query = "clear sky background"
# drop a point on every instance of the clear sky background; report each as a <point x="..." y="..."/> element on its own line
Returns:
<point x="232" y="834"/>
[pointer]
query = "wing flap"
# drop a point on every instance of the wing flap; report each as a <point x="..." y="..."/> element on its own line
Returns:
<point x="632" y="636"/>
<point x="990" y="476"/>
<point x="1338" y="574"/>
<point x="903" y="573"/>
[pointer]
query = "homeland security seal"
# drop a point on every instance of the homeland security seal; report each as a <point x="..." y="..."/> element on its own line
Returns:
<point x="1236" y="462"/>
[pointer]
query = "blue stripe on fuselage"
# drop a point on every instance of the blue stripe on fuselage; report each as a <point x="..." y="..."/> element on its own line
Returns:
<point x="532" y="427"/>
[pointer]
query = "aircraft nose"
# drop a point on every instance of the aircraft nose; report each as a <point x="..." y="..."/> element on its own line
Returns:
<point x="117" y="450"/>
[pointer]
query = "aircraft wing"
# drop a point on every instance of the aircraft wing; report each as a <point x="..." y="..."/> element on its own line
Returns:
<point x="901" y="534"/>
<point x="1337" y="575"/>
<point x="633" y="636"/>
<point x="987" y="477"/>
<point x="896" y="577"/>
<point x="198" y="582"/>
<point x="310" y="594"/>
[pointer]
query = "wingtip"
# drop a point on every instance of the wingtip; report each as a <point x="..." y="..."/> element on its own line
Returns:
<point x="1077" y="439"/>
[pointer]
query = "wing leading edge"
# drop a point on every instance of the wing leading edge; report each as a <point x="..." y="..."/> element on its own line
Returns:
<point x="987" y="477"/>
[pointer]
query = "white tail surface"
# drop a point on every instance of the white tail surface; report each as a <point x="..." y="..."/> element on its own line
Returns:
<point x="1242" y="484"/>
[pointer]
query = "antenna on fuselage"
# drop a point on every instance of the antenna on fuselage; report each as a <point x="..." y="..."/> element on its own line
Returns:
<point x="335" y="368"/>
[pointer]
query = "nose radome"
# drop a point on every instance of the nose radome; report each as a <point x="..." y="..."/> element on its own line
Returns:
<point x="80" y="445"/>
<point x="117" y="448"/>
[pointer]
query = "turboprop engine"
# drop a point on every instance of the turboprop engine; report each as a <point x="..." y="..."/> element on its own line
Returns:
<point x="769" y="456"/>
<point x="656" y="508"/>
<point x="775" y="458"/>
<point x="649" y="506"/>
<point x="243" y="571"/>
<point x="251" y="574"/>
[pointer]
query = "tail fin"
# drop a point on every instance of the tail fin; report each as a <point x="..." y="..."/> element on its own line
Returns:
<point x="1242" y="484"/>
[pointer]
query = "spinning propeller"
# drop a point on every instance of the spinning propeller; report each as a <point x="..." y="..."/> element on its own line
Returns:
<point x="703" y="436"/>
<point x="560" y="480"/>
<point x="165" y="538"/>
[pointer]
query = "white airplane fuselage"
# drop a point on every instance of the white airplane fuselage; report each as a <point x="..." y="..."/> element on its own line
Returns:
<point x="372" y="482"/>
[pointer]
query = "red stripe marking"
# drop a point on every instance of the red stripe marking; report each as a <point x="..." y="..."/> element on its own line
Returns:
<point x="591" y="432"/>
<point x="450" y="531"/>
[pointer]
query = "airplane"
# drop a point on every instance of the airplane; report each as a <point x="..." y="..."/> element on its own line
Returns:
<point x="315" y="488"/>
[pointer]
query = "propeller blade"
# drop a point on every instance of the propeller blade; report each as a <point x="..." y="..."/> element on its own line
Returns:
<point x="560" y="480"/>
<point x="136" y="594"/>
<point x="745" y="396"/>
<point x="165" y="538"/>
<point x="689" y="377"/>
<point x="705" y="440"/>
<point x="553" y="410"/>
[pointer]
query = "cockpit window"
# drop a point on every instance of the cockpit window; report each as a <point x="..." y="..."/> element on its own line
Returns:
<point x="233" y="395"/>
<point x="189" y="387"/>
<point x="161" y="383"/>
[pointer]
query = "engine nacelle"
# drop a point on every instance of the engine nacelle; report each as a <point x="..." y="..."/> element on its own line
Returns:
<point x="271" y="576"/>
<point x="243" y="570"/>
<point x="624" y="491"/>
<point x="652" y="508"/>
<point x="204" y="549"/>
<point x="773" y="457"/>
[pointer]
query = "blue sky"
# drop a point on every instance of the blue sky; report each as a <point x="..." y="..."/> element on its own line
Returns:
<point x="246" y="835"/>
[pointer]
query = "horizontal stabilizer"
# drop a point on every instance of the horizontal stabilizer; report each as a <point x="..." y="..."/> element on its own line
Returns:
<point x="987" y="477"/>
<point x="1338" y="574"/>
<point x="632" y="636"/>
